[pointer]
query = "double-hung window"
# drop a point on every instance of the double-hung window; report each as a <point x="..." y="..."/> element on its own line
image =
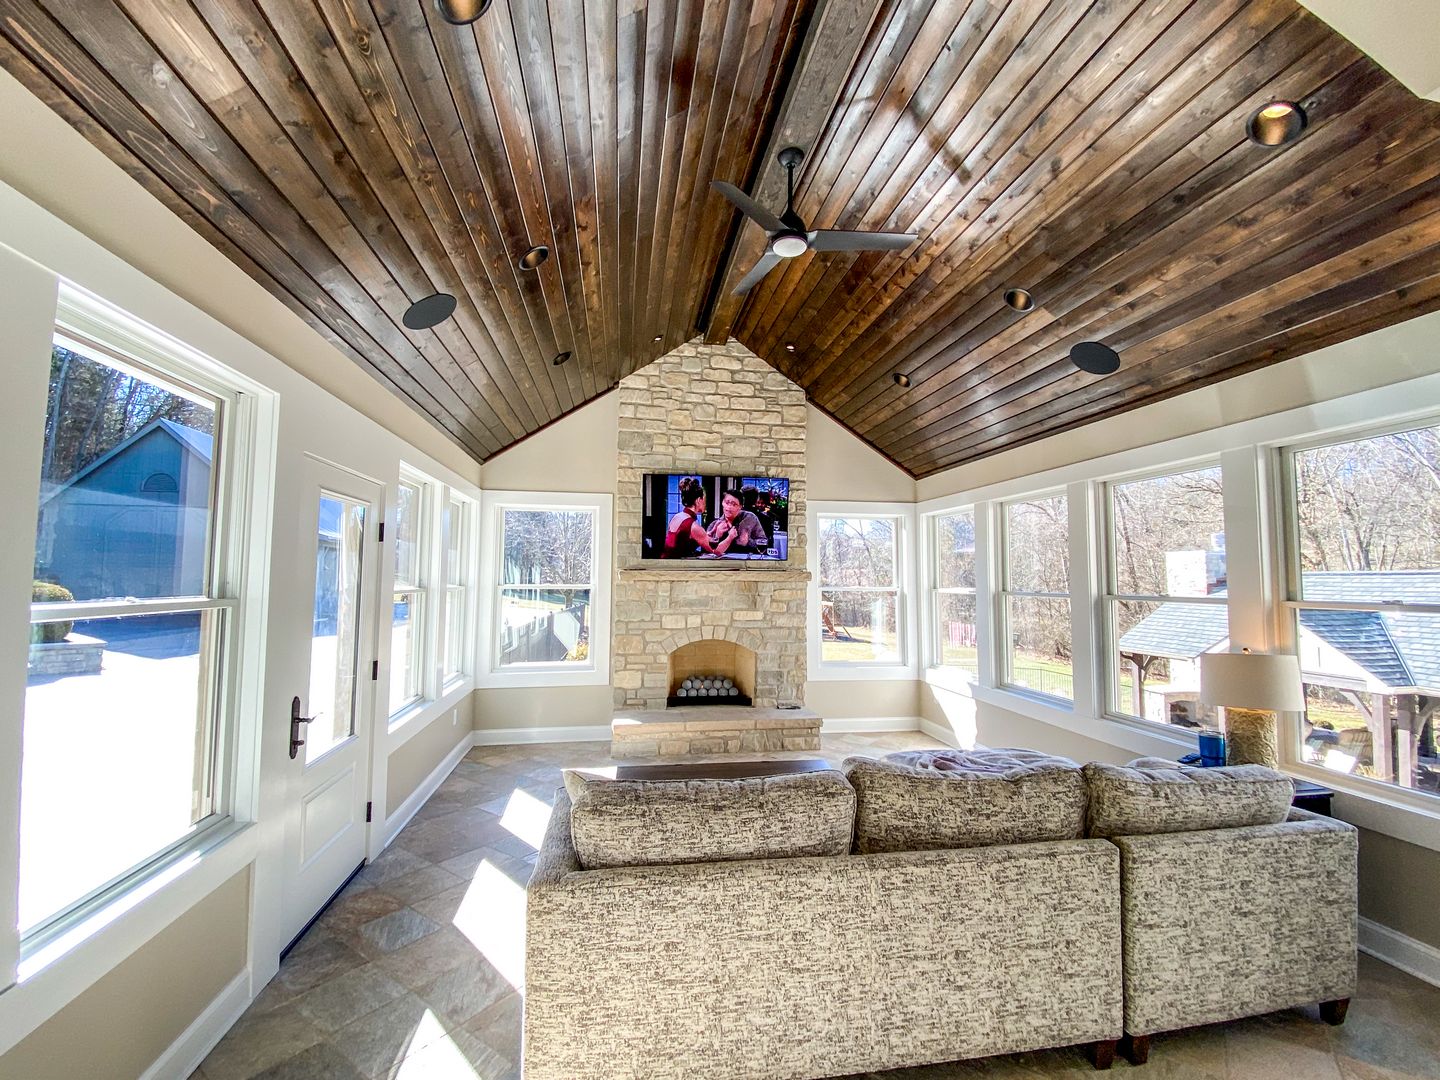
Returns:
<point x="132" y="627"/>
<point x="1165" y="605"/>
<point x="956" y="634"/>
<point x="408" y="630"/>
<point x="458" y="527"/>
<point x="860" y="616"/>
<point x="1034" y="608"/>
<point x="1363" y="540"/>
<point x="545" y="587"/>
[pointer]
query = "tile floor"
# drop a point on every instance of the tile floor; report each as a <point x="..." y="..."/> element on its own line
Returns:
<point x="414" y="972"/>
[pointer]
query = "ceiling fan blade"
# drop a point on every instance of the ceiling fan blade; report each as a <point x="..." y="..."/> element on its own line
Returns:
<point x="748" y="206"/>
<point x="840" y="240"/>
<point x="763" y="266"/>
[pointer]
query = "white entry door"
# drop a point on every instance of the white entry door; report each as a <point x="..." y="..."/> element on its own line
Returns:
<point x="331" y="751"/>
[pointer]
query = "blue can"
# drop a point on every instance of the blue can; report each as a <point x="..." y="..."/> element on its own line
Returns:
<point x="1212" y="748"/>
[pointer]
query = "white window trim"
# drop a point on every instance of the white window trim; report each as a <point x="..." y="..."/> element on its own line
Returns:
<point x="90" y="945"/>
<point x="1079" y="567"/>
<point x="820" y="670"/>
<point x="930" y="590"/>
<point x="595" y="671"/>
<point x="469" y="554"/>
<point x="423" y="634"/>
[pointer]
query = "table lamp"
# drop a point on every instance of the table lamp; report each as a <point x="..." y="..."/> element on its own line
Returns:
<point x="1252" y="688"/>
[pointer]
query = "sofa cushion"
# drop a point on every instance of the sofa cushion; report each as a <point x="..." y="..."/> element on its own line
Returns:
<point x="657" y="822"/>
<point x="1139" y="799"/>
<point x="952" y="799"/>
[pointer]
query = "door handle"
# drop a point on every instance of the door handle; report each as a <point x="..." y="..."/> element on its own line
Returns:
<point x="295" y="721"/>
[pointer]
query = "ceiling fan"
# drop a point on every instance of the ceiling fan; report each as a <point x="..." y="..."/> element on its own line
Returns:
<point x="788" y="236"/>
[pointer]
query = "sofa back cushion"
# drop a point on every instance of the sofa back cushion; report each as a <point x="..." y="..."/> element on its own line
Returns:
<point x="924" y="801"/>
<point x="658" y="822"/>
<point x="1138" y="800"/>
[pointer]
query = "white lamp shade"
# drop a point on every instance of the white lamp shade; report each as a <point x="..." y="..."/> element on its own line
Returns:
<point x="1260" y="681"/>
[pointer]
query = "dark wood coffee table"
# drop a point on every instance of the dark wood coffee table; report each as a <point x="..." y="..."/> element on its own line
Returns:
<point x="720" y="770"/>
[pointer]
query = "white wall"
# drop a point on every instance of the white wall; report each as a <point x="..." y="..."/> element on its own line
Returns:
<point x="58" y="197"/>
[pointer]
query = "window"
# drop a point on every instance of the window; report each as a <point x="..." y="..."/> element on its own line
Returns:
<point x="860" y="590"/>
<point x="408" y="629"/>
<point x="1364" y="541"/>
<point x="457" y="585"/>
<point x="1166" y="601"/>
<point x="123" y="717"/>
<point x="1035" y="597"/>
<point x="956" y="633"/>
<point x="546" y="584"/>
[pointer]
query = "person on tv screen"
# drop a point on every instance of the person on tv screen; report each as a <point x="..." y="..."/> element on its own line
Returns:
<point x="762" y="513"/>
<point x="737" y="531"/>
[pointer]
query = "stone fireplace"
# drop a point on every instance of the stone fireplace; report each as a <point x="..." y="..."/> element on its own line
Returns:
<point x="712" y="658"/>
<point x="715" y="409"/>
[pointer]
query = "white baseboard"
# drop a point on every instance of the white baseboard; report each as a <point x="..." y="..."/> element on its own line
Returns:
<point x="185" y="1054"/>
<point x="1396" y="949"/>
<point x="830" y="726"/>
<point x="938" y="731"/>
<point x="408" y="809"/>
<point x="516" y="736"/>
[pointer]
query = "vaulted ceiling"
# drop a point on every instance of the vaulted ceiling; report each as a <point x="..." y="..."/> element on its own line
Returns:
<point x="355" y="155"/>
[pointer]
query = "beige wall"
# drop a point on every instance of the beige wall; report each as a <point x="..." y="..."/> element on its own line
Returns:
<point x="576" y="453"/>
<point x="543" y="707"/>
<point x="1392" y="355"/>
<point x="413" y="761"/>
<point x="120" y="1025"/>
<point x="857" y="698"/>
<point x="1402" y="36"/>
<point x="1399" y="886"/>
<point x="842" y="468"/>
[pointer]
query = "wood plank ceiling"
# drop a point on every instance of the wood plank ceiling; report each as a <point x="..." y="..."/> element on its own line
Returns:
<point x="355" y="155"/>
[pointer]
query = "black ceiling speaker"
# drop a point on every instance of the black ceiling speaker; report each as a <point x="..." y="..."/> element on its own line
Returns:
<point x="788" y="236"/>
<point x="1095" y="358"/>
<point x="461" y="12"/>
<point x="1276" y="124"/>
<point x="429" y="311"/>
<point x="533" y="258"/>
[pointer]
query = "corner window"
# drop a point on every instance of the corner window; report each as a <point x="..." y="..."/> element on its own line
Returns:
<point x="131" y="614"/>
<point x="953" y="602"/>
<point x="860" y="590"/>
<point x="1035" y="597"/>
<point x="408" y="638"/>
<point x="1365" y="593"/>
<point x="1166" y="601"/>
<point x="547" y="577"/>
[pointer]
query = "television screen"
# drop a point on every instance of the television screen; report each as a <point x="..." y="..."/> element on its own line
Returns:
<point x="691" y="516"/>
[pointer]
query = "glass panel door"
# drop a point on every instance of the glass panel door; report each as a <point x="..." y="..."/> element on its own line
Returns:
<point x="335" y="638"/>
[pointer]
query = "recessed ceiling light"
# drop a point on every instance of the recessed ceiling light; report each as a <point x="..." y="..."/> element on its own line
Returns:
<point x="1276" y="124"/>
<point x="429" y="311"/>
<point x="1019" y="299"/>
<point x="658" y="338"/>
<point x="534" y="257"/>
<point x="790" y="347"/>
<point x="560" y="358"/>
<point x="1095" y="358"/>
<point x="901" y="379"/>
<point x="461" y="12"/>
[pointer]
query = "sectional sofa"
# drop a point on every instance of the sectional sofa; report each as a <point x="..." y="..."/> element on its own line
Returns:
<point x="920" y="910"/>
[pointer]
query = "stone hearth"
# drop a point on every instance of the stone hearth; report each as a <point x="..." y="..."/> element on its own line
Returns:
<point x="719" y="729"/>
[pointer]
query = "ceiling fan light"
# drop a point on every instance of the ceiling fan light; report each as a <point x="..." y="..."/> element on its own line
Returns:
<point x="1276" y="124"/>
<point x="789" y="245"/>
<point x="1019" y="299"/>
<point x="461" y="12"/>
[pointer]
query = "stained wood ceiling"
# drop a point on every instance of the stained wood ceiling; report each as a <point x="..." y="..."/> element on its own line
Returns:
<point x="355" y="155"/>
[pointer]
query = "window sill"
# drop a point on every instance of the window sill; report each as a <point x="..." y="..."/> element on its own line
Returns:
<point x="952" y="679"/>
<point x="62" y="969"/>
<point x="1404" y="816"/>
<point x="415" y="718"/>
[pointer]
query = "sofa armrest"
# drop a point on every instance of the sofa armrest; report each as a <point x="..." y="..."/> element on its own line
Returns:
<point x="1226" y="923"/>
<point x="556" y="857"/>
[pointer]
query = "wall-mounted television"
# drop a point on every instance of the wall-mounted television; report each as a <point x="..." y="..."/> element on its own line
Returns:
<point x="693" y="516"/>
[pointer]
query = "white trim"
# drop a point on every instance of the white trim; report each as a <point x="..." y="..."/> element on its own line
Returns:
<point x="404" y="726"/>
<point x="182" y="1057"/>
<point x="1400" y="951"/>
<point x="411" y="806"/>
<point x="595" y="671"/>
<point x="518" y="736"/>
<point x="838" y="725"/>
